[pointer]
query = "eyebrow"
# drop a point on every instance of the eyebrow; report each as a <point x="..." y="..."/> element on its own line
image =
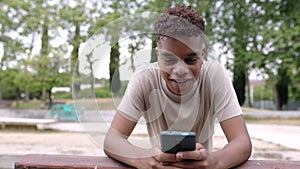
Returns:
<point x="165" y="53"/>
<point x="194" y="54"/>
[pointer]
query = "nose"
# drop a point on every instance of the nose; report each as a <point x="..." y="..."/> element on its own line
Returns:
<point x="180" y="69"/>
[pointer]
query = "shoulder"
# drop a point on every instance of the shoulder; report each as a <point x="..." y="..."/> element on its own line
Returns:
<point x="215" y="77"/>
<point x="146" y="74"/>
<point x="214" y="71"/>
<point x="213" y="67"/>
<point x="146" y="78"/>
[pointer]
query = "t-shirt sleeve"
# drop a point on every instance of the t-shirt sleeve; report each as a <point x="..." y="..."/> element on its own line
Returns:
<point x="225" y="101"/>
<point x="132" y="103"/>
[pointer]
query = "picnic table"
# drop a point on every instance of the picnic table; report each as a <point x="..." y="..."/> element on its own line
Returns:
<point x="66" y="112"/>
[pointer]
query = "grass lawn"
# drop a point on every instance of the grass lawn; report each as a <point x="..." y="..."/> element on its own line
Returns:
<point x="273" y="120"/>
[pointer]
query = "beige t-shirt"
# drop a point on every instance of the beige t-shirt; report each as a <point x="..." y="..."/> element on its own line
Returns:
<point x="211" y="100"/>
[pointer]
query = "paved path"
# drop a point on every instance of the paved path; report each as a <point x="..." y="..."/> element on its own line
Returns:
<point x="97" y="121"/>
<point x="287" y="136"/>
<point x="267" y="113"/>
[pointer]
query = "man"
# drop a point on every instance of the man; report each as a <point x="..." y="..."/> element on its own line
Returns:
<point x="181" y="92"/>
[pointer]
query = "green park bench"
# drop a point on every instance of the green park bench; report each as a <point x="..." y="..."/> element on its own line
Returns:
<point x="66" y="112"/>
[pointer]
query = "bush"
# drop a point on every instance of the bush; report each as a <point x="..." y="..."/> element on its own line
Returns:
<point x="27" y="104"/>
<point x="103" y="93"/>
<point x="62" y="95"/>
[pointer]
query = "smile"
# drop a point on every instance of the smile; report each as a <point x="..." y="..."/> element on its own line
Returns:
<point x="181" y="83"/>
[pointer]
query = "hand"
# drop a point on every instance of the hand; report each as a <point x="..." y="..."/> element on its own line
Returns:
<point x="156" y="161"/>
<point x="199" y="158"/>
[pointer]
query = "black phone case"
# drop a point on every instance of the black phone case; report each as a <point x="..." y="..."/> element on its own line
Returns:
<point x="175" y="141"/>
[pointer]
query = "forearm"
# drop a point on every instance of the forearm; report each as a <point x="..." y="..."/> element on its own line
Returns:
<point x="119" y="148"/>
<point x="234" y="153"/>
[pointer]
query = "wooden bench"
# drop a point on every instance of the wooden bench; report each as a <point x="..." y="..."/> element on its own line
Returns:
<point x="43" y="161"/>
<point x="24" y="122"/>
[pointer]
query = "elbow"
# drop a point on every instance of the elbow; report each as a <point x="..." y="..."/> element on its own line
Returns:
<point x="248" y="149"/>
<point x="110" y="144"/>
<point x="106" y="149"/>
<point x="106" y="146"/>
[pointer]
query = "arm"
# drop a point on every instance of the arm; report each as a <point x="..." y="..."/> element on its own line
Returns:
<point x="118" y="147"/>
<point x="234" y="153"/>
<point x="239" y="145"/>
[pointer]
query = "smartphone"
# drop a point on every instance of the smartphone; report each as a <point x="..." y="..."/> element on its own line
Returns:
<point x="175" y="141"/>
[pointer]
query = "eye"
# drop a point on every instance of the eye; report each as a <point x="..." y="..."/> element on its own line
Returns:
<point x="168" y="58"/>
<point x="191" y="61"/>
<point x="170" y="61"/>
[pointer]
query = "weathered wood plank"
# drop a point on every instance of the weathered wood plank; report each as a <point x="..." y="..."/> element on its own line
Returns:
<point x="43" y="161"/>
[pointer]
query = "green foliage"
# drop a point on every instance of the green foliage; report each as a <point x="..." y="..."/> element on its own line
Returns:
<point x="27" y="104"/>
<point x="262" y="92"/>
<point x="62" y="95"/>
<point x="124" y="85"/>
<point x="11" y="89"/>
<point x="103" y="93"/>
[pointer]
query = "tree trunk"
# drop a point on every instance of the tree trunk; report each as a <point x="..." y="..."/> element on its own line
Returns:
<point x="44" y="94"/>
<point x="74" y="58"/>
<point x="114" y="73"/>
<point x="153" y="51"/>
<point x="44" y="51"/>
<point x="276" y="99"/>
<point x="239" y="84"/>
<point x="0" y="92"/>
<point x="27" y="95"/>
<point x="50" y="98"/>
<point x="249" y="91"/>
<point x="282" y="87"/>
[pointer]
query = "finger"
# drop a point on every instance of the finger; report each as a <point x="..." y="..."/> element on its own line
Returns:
<point x="167" y="157"/>
<point x="199" y="146"/>
<point x="179" y="156"/>
<point x="164" y="157"/>
<point x="192" y="155"/>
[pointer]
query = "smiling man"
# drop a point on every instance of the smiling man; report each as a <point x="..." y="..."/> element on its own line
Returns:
<point x="180" y="64"/>
<point x="181" y="92"/>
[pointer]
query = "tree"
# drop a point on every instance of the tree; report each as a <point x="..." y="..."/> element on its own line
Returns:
<point x="237" y="33"/>
<point x="77" y="20"/>
<point x="280" y="47"/>
<point x="112" y="26"/>
<point x="12" y="46"/>
<point x="49" y="72"/>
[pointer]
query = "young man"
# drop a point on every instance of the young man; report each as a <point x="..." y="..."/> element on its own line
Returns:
<point x="181" y="92"/>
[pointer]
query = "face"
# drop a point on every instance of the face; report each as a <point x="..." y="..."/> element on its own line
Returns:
<point x="180" y="61"/>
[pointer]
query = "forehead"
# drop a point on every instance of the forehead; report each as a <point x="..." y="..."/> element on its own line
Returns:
<point x="194" y="43"/>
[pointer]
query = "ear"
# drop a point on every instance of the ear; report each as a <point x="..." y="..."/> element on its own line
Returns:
<point x="203" y="53"/>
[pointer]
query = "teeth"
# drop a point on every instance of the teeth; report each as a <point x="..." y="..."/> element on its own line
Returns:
<point x="181" y="83"/>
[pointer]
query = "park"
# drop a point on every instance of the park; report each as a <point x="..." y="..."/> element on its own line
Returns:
<point x="65" y="67"/>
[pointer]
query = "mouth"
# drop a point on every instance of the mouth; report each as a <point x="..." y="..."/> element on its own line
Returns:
<point x="181" y="83"/>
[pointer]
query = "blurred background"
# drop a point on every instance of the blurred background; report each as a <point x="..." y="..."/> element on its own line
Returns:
<point x="50" y="71"/>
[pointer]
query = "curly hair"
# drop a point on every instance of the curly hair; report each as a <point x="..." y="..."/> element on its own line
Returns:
<point x="179" y="21"/>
